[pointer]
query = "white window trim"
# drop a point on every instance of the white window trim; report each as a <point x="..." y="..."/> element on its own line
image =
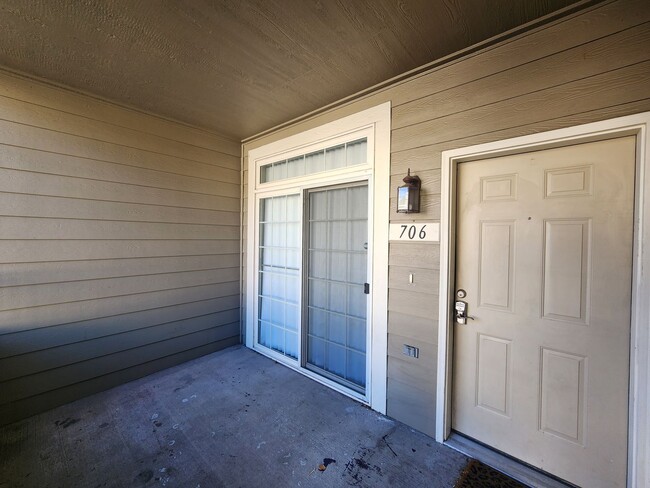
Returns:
<point x="639" y="399"/>
<point x="376" y="122"/>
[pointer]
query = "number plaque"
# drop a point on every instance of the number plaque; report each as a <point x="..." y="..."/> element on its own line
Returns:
<point x="420" y="232"/>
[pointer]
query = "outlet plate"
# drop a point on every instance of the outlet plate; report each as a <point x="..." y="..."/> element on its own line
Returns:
<point x="411" y="351"/>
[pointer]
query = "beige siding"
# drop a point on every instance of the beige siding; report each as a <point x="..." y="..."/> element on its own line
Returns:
<point x="119" y="245"/>
<point x="587" y="67"/>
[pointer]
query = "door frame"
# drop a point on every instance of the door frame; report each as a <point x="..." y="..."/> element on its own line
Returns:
<point x="375" y="123"/>
<point x="639" y="397"/>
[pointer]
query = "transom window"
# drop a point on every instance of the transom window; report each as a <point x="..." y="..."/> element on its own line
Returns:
<point x="339" y="156"/>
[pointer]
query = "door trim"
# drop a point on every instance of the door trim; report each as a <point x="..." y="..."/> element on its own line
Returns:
<point x="375" y="122"/>
<point x="639" y="397"/>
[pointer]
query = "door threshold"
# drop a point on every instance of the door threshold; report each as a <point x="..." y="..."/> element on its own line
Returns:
<point x="503" y="463"/>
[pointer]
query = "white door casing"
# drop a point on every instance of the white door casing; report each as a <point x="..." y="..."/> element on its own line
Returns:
<point x="638" y="434"/>
<point x="544" y="252"/>
<point x="373" y="124"/>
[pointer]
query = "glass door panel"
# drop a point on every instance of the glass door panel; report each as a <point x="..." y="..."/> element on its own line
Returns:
<point x="336" y="262"/>
<point x="279" y="274"/>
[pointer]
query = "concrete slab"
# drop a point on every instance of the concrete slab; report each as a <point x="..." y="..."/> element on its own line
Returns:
<point x="230" y="419"/>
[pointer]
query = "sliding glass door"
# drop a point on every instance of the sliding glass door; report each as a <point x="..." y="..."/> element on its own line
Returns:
<point x="336" y="276"/>
<point x="316" y="252"/>
<point x="312" y="274"/>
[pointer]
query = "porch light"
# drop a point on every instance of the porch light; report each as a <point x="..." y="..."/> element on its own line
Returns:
<point x="408" y="195"/>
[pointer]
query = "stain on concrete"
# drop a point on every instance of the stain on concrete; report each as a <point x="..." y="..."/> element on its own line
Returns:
<point x="187" y="380"/>
<point x="144" y="476"/>
<point x="66" y="423"/>
<point x="326" y="462"/>
<point x="104" y="425"/>
<point x="360" y="471"/>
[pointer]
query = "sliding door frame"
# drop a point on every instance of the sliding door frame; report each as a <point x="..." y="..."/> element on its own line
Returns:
<point x="373" y="124"/>
<point x="306" y="239"/>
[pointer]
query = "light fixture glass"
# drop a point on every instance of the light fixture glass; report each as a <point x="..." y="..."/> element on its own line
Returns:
<point x="408" y="195"/>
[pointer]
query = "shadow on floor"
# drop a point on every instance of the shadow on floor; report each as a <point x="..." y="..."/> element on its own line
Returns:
<point x="230" y="419"/>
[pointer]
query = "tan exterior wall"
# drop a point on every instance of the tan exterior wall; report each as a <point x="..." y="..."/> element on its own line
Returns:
<point x="119" y="245"/>
<point x="590" y="66"/>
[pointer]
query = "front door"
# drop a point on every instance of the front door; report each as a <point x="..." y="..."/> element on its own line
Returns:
<point x="544" y="256"/>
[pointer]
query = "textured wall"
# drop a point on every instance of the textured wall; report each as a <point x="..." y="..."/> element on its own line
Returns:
<point x="119" y="241"/>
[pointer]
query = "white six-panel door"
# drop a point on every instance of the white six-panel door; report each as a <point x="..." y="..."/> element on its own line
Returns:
<point x="544" y="253"/>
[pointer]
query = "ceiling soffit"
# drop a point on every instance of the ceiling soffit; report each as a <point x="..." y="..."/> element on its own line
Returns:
<point x="241" y="67"/>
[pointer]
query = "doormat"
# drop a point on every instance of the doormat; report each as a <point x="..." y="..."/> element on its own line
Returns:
<point x="478" y="475"/>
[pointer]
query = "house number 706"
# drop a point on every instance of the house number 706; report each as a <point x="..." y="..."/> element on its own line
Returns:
<point x="411" y="232"/>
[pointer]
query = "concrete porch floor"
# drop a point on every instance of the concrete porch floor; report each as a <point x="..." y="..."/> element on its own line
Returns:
<point x="230" y="419"/>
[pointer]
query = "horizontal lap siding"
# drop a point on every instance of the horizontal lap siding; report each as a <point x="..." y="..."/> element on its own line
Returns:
<point x="119" y="245"/>
<point x="587" y="67"/>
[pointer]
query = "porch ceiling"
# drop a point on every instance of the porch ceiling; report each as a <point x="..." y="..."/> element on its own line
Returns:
<point x="242" y="66"/>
